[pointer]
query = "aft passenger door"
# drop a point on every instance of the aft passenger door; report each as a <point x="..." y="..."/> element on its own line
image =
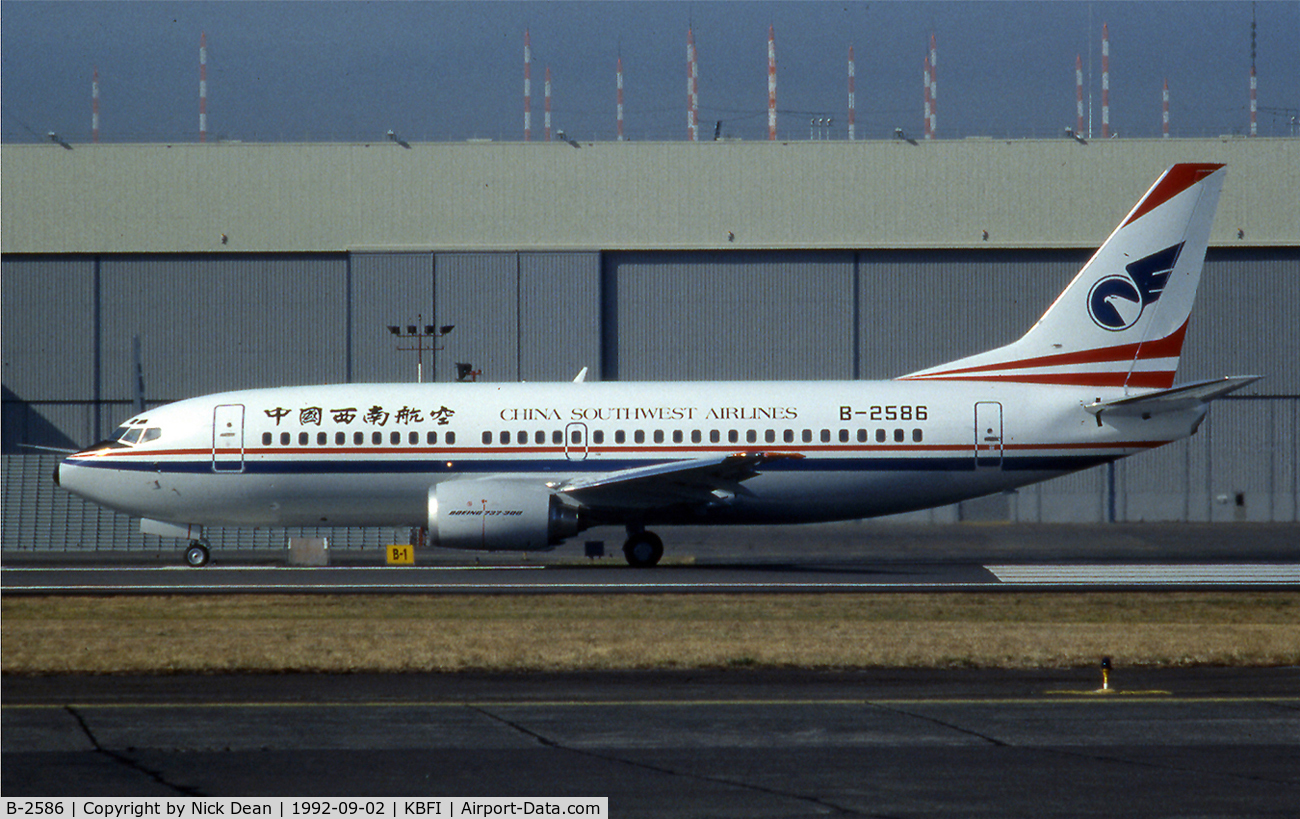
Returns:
<point x="228" y="438"/>
<point x="988" y="435"/>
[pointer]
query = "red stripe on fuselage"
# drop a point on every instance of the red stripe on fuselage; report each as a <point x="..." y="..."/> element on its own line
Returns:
<point x="1171" y="346"/>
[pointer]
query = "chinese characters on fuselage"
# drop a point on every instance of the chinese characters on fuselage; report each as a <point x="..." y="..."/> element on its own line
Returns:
<point x="373" y="416"/>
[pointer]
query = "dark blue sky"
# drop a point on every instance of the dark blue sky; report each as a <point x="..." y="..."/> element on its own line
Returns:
<point x="314" y="71"/>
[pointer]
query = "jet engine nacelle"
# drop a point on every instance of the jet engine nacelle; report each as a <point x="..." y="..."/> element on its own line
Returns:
<point x="498" y="515"/>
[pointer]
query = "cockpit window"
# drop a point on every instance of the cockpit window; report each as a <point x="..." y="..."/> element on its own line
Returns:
<point x="151" y="434"/>
<point x="131" y="436"/>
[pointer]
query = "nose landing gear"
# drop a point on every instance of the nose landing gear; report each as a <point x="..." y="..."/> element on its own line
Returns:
<point x="197" y="554"/>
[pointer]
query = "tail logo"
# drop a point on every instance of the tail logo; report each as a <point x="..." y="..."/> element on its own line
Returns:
<point x="1116" y="301"/>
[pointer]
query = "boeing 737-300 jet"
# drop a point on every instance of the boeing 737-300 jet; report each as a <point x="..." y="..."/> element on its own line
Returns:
<point x="525" y="466"/>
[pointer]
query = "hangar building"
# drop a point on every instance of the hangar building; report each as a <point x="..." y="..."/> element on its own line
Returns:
<point x="251" y="265"/>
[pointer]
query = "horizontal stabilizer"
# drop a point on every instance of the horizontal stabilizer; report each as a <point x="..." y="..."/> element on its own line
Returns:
<point x="1174" y="399"/>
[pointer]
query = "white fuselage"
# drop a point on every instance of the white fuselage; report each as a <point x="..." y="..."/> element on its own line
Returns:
<point x="368" y="454"/>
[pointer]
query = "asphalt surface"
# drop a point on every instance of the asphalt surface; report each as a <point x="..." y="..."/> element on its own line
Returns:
<point x="1204" y="742"/>
<point x="846" y="557"/>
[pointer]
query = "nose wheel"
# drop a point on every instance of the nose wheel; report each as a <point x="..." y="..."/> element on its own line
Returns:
<point x="197" y="554"/>
<point x="643" y="549"/>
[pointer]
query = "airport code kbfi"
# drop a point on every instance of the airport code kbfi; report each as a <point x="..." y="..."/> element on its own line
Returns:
<point x="122" y="808"/>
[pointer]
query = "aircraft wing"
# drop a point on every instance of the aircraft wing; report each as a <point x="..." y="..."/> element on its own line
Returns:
<point x="703" y="480"/>
<point x="1175" y="398"/>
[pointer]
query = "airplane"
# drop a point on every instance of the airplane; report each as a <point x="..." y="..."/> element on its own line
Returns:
<point x="524" y="466"/>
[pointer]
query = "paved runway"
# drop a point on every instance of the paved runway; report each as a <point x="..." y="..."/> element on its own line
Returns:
<point x="700" y="578"/>
<point x="842" y="557"/>
<point x="1213" y="742"/>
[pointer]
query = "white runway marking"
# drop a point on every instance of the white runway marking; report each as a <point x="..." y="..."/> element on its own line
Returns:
<point x="1150" y="574"/>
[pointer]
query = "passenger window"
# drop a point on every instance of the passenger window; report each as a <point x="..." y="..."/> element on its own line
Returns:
<point x="266" y="439"/>
<point x="677" y="436"/>
<point x="789" y="436"/>
<point x="450" y="439"/>
<point x="880" y="436"/>
<point x="714" y="436"/>
<point x="523" y="436"/>
<point x="505" y="436"/>
<point x="557" y="437"/>
<point x="303" y="438"/>
<point x="916" y="435"/>
<point x="898" y="435"/>
<point x="639" y="436"/>
<point x="284" y="439"/>
<point x="659" y="436"/>
<point x="733" y="436"/>
<point x="619" y="437"/>
<point x="539" y="437"/>
<point x="413" y="438"/>
<point x="598" y="436"/>
<point x="770" y="436"/>
<point x="862" y="436"/>
<point x="807" y="436"/>
<point x="431" y="437"/>
<point x="844" y="436"/>
<point x="322" y="438"/>
<point x="376" y="438"/>
<point x="751" y="436"/>
<point x="487" y="437"/>
<point x="576" y="436"/>
<point x="826" y="436"/>
<point x="696" y="436"/>
<point x="395" y="438"/>
<point x="340" y="438"/>
<point x="358" y="438"/>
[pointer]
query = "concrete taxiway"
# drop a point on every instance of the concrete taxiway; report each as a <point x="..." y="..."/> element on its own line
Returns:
<point x="846" y="557"/>
<point x="1218" y="742"/>
<point x="699" y="578"/>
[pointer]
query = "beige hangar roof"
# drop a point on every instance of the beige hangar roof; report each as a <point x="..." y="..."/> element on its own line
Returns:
<point x="286" y="197"/>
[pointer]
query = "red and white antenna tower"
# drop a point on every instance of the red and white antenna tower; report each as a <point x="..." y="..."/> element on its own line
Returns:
<point x="94" y="107"/>
<point x="203" y="87"/>
<point x="853" y="105"/>
<point x="1254" y="88"/>
<point x="1164" y="111"/>
<point x="771" y="84"/>
<point x="619" y="73"/>
<point x="692" y="90"/>
<point x="1254" y="127"/>
<point x="934" y="89"/>
<point x="1078" y="96"/>
<point x="546" y="115"/>
<point x="1105" y="82"/>
<point x="925" y="78"/>
<point x="528" y="88"/>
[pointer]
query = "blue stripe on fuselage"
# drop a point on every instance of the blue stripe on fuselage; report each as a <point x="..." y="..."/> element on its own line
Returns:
<point x="360" y="466"/>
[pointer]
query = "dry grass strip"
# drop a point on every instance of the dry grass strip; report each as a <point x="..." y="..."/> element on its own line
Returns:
<point x="554" y="633"/>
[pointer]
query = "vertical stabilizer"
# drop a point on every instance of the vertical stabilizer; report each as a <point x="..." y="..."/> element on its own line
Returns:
<point x="1121" y="321"/>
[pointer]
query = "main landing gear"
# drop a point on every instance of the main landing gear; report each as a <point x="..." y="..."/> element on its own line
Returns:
<point x="197" y="554"/>
<point x="642" y="549"/>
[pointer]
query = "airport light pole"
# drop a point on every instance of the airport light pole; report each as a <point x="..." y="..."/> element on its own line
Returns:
<point x="419" y="333"/>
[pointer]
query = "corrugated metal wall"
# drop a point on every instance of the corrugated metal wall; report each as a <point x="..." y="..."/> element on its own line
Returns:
<point x="559" y="316"/>
<point x="211" y="323"/>
<point x="388" y="289"/>
<point x="733" y="316"/>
